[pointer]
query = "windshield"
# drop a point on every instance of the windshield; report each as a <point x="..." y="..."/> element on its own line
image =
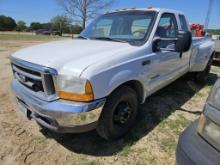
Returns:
<point x="124" y="26"/>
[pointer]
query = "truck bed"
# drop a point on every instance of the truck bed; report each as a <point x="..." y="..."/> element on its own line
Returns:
<point x="202" y="48"/>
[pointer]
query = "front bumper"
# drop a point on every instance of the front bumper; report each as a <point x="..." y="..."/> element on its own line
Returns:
<point x="59" y="115"/>
<point x="192" y="149"/>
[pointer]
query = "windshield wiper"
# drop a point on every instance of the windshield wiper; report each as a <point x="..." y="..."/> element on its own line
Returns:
<point x="109" y="39"/>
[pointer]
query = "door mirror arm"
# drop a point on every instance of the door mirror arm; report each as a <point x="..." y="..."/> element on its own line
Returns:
<point x="156" y="44"/>
<point x="157" y="47"/>
<point x="167" y="49"/>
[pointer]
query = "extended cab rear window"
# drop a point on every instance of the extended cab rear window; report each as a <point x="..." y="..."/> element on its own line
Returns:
<point x="183" y="23"/>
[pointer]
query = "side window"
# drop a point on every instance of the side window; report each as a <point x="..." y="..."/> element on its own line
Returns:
<point x="183" y="23"/>
<point x="167" y="27"/>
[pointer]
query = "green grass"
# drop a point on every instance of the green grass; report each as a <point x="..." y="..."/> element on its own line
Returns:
<point x="125" y="151"/>
<point x="85" y="161"/>
<point x="41" y="140"/>
<point x="199" y="94"/>
<point x="168" y="145"/>
<point x="216" y="69"/>
<point x="167" y="132"/>
<point x="172" y="128"/>
<point x="176" y="125"/>
<point x="27" y="37"/>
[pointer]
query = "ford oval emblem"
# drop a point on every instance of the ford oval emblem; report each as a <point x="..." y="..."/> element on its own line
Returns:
<point x="22" y="78"/>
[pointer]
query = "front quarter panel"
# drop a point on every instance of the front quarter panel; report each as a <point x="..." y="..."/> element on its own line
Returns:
<point x="111" y="73"/>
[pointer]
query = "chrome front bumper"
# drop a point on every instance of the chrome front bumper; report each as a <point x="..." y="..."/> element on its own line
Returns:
<point x="59" y="115"/>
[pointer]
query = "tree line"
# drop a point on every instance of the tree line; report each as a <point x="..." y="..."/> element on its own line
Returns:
<point x="79" y="10"/>
<point x="60" y="23"/>
<point x="214" y="31"/>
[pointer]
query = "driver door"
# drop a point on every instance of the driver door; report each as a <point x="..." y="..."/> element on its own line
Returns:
<point x="169" y="63"/>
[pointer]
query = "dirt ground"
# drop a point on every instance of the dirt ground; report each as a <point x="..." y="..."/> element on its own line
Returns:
<point x="152" y="141"/>
<point x="217" y="45"/>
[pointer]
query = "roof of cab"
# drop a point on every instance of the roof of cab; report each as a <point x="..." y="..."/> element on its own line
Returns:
<point x="149" y="9"/>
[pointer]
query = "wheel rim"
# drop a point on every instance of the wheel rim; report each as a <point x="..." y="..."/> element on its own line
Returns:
<point x="122" y="113"/>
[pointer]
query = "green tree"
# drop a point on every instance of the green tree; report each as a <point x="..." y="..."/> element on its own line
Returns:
<point x="35" y="26"/>
<point x="21" y="26"/>
<point x="60" y="23"/>
<point x="214" y="31"/>
<point x="47" y="26"/>
<point x="7" y="23"/>
<point x="75" y="29"/>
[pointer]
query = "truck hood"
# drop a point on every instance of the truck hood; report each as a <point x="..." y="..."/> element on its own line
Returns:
<point x="71" y="56"/>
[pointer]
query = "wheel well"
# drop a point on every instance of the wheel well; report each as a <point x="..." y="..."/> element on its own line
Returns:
<point x="213" y="54"/>
<point x="137" y="87"/>
<point x="212" y="57"/>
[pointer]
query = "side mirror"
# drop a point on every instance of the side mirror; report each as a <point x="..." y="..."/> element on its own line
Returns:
<point x="184" y="41"/>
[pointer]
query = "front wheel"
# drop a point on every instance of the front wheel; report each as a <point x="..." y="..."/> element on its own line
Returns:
<point x="119" y="114"/>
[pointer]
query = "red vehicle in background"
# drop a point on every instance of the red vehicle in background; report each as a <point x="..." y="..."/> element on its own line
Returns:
<point x="197" y="30"/>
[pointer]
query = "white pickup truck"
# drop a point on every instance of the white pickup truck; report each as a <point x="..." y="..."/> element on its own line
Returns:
<point x="98" y="80"/>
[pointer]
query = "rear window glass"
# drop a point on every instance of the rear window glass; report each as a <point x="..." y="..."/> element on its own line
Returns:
<point x="183" y="23"/>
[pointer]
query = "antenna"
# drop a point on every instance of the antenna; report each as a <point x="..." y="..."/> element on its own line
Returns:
<point x="207" y="20"/>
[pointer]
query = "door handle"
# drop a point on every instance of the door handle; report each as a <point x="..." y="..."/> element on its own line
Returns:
<point x="154" y="77"/>
<point x="147" y="62"/>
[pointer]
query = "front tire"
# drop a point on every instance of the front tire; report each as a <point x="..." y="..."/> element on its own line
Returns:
<point x="119" y="114"/>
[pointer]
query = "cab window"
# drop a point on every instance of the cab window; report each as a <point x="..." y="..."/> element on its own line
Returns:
<point x="183" y="23"/>
<point x="167" y="27"/>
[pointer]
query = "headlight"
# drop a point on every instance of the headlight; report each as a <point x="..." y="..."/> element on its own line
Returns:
<point x="73" y="88"/>
<point x="210" y="131"/>
<point x="214" y="97"/>
<point x="207" y="128"/>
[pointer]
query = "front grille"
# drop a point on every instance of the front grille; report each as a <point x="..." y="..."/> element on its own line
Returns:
<point x="30" y="79"/>
<point x="38" y="80"/>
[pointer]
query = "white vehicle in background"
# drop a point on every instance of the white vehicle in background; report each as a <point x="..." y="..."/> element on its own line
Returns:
<point x="98" y="80"/>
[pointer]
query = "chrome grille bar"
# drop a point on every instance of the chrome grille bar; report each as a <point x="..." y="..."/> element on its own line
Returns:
<point x="26" y="74"/>
<point x="34" y="67"/>
<point x="36" y="79"/>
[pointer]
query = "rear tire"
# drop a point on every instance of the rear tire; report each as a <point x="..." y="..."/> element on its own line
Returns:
<point x="119" y="114"/>
<point x="201" y="77"/>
